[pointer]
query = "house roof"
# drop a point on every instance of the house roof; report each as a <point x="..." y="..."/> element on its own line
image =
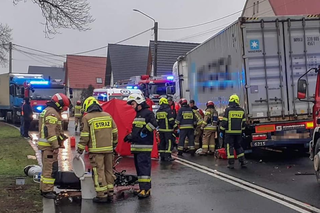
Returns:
<point x="85" y="70"/>
<point x="298" y="7"/>
<point x="126" y="61"/>
<point x="52" y="72"/>
<point x="168" y="53"/>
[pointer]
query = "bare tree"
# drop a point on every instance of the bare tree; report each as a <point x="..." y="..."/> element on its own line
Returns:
<point x="5" y="38"/>
<point x="70" y="14"/>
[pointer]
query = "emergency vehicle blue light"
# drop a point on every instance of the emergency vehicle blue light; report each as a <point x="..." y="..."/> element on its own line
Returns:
<point x="129" y="87"/>
<point x="39" y="108"/>
<point x="39" y="82"/>
<point x="170" y="77"/>
<point x="135" y="87"/>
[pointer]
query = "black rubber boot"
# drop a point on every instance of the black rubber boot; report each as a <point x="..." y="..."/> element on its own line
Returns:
<point x="230" y="163"/>
<point x="49" y="195"/>
<point x="180" y="153"/>
<point x="136" y="192"/>
<point x="144" y="194"/>
<point x="169" y="158"/>
<point x="100" y="200"/>
<point x="192" y="152"/>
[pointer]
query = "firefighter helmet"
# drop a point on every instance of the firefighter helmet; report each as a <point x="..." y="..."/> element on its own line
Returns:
<point x="61" y="101"/>
<point x="234" y="98"/>
<point x="163" y="101"/>
<point x="139" y="99"/>
<point x="210" y="103"/>
<point x="183" y="101"/>
<point x="78" y="102"/>
<point x="88" y="102"/>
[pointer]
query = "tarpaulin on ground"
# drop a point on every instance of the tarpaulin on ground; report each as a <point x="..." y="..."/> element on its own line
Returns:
<point x="123" y="115"/>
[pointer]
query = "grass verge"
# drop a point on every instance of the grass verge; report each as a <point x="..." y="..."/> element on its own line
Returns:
<point x="13" y="158"/>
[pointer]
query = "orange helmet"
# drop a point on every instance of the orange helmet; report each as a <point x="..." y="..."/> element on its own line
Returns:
<point x="78" y="102"/>
<point x="183" y="101"/>
<point x="210" y="103"/>
<point x="61" y="101"/>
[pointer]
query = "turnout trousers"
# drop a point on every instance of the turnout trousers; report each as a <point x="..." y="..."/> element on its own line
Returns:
<point x="49" y="170"/>
<point x="142" y="162"/>
<point x="166" y="144"/>
<point x="208" y="140"/>
<point x="186" y="133"/>
<point x="103" y="178"/>
<point x="234" y="143"/>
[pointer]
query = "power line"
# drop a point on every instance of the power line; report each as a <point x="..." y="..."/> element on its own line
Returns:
<point x="208" y="22"/>
<point x="34" y="59"/>
<point x="99" y="48"/>
<point x="203" y="32"/>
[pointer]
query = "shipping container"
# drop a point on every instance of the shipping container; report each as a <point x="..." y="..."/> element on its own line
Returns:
<point x="259" y="59"/>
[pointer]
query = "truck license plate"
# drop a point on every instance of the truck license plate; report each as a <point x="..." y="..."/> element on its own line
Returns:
<point x="258" y="143"/>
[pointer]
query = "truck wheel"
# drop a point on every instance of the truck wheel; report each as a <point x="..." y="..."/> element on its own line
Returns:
<point x="65" y="126"/>
<point x="316" y="161"/>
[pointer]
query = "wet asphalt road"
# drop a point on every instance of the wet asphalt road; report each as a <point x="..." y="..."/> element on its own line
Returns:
<point x="177" y="188"/>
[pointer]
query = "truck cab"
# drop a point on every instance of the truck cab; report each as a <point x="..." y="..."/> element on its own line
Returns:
<point x="314" y="145"/>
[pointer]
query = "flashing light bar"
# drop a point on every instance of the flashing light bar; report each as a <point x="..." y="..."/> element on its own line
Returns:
<point x="170" y="77"/>
<point x="135" y="87"/>
<point x="39" y="108"/>
<point x="39" y="82"/>
<point x="129" y="87"/>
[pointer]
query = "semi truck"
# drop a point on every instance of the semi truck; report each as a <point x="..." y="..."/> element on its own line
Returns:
<point x="302" y="94"/>
<point x="260" y="60"/>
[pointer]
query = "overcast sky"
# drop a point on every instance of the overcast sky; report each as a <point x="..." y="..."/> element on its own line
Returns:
<point x="114" y="21"/>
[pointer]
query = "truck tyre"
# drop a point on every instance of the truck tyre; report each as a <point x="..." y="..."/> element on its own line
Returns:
<point x="316" y="161"/>
<point x="65" y="126"/>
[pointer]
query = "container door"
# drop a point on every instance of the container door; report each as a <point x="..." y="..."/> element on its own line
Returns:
<point x="265" y="74"/>
<point x="302" y="40"/>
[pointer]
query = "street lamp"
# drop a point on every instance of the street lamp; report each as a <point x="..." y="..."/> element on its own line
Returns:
<point x="155" y="28"/>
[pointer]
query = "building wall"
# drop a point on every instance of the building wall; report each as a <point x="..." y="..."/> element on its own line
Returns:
<point x="258" y="8"/>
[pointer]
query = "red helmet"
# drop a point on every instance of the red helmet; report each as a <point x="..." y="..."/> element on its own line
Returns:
<point x="210" y="103"/>
<point x="78" y="102"/>
<point x="183" y="101"/>
<point x="61" y="101"/>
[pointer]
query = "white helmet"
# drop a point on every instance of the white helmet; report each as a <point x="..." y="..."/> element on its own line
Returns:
<point x="135" y="97"/>
<point x="31" y="170"/>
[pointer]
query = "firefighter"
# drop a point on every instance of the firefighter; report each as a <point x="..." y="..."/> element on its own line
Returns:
<point x="50" y="134"/>
<point x="166" y="122"/>
<point x="172" y="107"/>
<point x="99" y="132"/>
<point x="198" y="131"/>
<point x="233" y="123"/>
<point x="186" y="120"/>
<point x="141" y="139"/>
<point x="209" y="127"/>
<point x="77" y="114"/>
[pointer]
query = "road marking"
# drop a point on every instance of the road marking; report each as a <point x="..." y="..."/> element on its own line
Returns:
<point x="274" y="196"/>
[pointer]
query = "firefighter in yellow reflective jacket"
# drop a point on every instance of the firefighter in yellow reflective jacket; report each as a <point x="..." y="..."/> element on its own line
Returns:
<point x="99" y="132"/>
<point x="233" y="123"/>
<point x="209" y="127"/>
<point x="77" y="115"/>
<point x="198" y="131"/>
<point x="165" y="119"/>
<point x="141" y="139"/>
<point x="186" y="120"/>
<point x="50" y="135"/>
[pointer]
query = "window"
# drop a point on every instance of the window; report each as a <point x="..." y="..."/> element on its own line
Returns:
<point x="257" y="7"/>
<point x="99" y="80"/>
<point x="254" y="8"/>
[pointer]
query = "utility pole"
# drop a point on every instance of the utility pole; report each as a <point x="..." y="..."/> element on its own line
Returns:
<point x="10" y="57"/>
<point x="155" y="69"/>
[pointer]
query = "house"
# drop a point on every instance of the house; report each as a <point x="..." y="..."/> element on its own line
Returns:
<point x="54" y="73"/>
<point x="124" y="61"/>
<point x="269" y="8"/>
<point x="168" y="53"/>
<point x="82" y="71"/>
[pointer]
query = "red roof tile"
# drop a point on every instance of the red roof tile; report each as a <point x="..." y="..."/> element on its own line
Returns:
<point x="84" y="70"/>
<point x="295" y="7"/>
